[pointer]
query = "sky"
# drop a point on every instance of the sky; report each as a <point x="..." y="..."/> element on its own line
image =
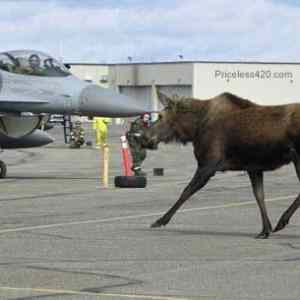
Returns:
<point x="110" y="31"/>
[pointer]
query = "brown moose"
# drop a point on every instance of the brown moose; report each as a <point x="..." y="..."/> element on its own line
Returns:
<point x="231" y="133"/>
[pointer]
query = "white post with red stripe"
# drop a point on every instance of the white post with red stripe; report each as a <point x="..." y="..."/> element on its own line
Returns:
<point x="127" y="161"/>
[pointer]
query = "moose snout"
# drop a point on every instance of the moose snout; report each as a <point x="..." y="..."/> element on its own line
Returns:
<point x="152" y="143"/>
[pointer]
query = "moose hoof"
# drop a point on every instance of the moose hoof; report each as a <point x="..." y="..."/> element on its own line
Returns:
<point x="281" y="224"/>
<point x="263" y="235"/>
<point x="159" y="223"/>
<point x="156" y="224"/>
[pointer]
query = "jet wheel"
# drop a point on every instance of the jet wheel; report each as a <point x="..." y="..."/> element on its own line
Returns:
<point x="2" y="169"/>
<point x="130" y="181"/>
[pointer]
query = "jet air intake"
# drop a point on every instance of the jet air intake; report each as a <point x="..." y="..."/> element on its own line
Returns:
<point x="19" y="125"/>
<point x="37" y="138"/>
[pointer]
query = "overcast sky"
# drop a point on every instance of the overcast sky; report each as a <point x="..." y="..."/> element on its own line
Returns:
<point x="156" y="30"/>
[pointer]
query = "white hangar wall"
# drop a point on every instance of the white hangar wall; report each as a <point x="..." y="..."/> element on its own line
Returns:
<point x="145" y="74"/>
<point x="94" y="73"/>
<point x="264" y="83"/>
<point x="141" y="81"/>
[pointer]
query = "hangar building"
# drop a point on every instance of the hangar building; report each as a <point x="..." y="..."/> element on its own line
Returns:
<point x="262" y="82"/>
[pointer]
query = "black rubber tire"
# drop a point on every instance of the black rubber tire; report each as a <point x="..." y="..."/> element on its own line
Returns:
<point x="2" y="169"/>
<point x="130" y="181"/>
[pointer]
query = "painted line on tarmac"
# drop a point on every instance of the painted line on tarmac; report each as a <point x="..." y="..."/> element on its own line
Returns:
<point x="132" y="217"/>
<point x="79" y="293"/>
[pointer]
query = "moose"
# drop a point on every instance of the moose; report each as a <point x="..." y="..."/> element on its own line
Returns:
<point x="229" y="133"/>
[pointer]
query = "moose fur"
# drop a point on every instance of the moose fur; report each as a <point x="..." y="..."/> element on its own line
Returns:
<point x="231" y="133"/>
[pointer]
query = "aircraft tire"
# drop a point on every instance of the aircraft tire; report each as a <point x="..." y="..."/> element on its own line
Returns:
<point x="3" y="169"/>
<point x="130" y="181"/>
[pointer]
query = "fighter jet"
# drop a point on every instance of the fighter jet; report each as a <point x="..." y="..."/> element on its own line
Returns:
<point x="34" y="85"/>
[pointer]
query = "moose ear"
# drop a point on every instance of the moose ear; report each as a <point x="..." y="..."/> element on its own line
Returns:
<point x="165" y="100"/>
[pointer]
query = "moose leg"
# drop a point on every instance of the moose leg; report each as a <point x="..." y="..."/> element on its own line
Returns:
<point x="201" y="177"/>
<point x="256" y="179"/>
<point x="284" y="219"/>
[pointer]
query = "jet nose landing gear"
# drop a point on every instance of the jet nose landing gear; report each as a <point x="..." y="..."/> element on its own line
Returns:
<point x="2" y="169"/>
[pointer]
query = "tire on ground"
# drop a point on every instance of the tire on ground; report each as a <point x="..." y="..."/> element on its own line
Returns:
<point x="130" y="181"/>
<point x="2" y="169"/>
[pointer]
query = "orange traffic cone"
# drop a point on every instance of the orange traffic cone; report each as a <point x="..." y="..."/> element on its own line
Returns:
<point x="127" y="161"/>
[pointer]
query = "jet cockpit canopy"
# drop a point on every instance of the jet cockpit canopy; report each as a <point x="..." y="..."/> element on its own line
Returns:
<point x="30" y="62"/>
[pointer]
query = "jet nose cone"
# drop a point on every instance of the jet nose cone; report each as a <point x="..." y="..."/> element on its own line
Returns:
<point x="95" y="100"/>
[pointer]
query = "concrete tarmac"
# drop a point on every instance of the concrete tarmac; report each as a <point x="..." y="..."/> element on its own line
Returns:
<point x="64" y="236"/>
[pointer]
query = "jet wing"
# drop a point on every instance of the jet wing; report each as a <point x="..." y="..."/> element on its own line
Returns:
<point x="15" y="99"/>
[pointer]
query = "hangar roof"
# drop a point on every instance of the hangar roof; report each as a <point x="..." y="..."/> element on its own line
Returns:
<point x="184" y="62"/>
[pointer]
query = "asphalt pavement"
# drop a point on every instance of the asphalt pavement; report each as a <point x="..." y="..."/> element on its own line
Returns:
<point x="64" y="236"/>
